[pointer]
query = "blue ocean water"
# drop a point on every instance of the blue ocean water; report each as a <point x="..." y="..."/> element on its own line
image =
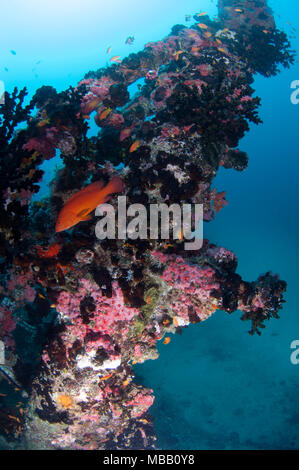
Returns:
<point x="215" y="386"/>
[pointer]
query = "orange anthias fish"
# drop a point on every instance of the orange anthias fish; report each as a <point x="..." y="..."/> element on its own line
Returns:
<point x="43" y="123"/>
<point x="195" y="49"/>
<point x="79" y="206"/>
<point x="115" y="58"/>
<point x="177" y="55"/>
<point x="105" y="114"/>
<point x="134" y="146"/>
<point x="202" y="26"/>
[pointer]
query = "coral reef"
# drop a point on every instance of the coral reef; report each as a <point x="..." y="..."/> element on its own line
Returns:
<point x="93" y="308"/>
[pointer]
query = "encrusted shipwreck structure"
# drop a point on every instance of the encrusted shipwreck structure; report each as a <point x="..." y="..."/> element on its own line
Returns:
<point x="77" y="312"/>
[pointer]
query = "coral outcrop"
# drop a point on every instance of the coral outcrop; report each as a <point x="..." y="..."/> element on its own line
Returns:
<point x="78" y="312"/>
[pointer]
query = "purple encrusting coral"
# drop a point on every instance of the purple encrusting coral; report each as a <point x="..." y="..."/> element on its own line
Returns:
<point x="98" y="307"/>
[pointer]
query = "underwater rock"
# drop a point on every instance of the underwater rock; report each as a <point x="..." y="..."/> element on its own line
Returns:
<point x="93" y="308"/>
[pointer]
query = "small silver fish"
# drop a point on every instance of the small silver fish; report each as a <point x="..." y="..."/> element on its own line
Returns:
<point x="9" y="375"/>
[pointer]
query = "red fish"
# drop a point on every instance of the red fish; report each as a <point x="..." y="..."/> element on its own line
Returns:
<point x="79" y="206"/>
<point x="52" y="251"/>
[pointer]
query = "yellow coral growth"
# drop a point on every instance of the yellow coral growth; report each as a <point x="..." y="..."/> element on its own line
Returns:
<point x="65" y="401"/>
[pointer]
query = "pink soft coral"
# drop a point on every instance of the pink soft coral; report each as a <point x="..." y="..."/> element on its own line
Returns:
<point x="192" y="284"/>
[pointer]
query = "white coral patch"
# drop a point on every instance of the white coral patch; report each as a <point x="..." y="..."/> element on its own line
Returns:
<point x="178" y="173"/>
<point x="86" y="361"/>
<point x="110" y="364"/>
<point x="182" y="322"/>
